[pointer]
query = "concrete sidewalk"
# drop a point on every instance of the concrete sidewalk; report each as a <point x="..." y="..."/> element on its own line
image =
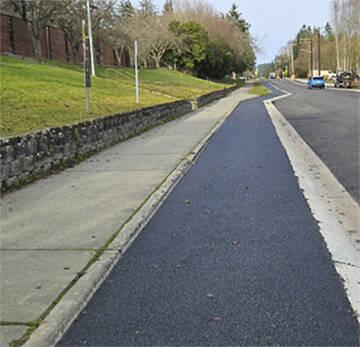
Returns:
<point x="50" y="230"/>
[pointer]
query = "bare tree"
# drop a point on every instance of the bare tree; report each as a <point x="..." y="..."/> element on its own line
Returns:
<point x="103" y="21"/>
<point x="119" y="40"/>
<point x="153" y="36"/>
<point x="345" y="16"/>
<point x="35" y="14"/>
<point x="69" y="20"/>
<point x="160" y="39"/>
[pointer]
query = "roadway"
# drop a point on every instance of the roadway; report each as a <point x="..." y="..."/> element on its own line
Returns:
<point x="329" y="121"/>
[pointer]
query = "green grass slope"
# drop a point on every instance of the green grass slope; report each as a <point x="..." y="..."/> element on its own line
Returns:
<point x="259" y="89"/>
<point x="35" y="96"/>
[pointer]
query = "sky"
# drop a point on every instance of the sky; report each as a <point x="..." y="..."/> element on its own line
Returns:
<point x="274" y="22"/>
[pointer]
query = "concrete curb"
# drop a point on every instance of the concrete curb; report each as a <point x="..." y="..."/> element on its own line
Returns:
<point x="332" y="206"/>
<point x="63" y="314"/>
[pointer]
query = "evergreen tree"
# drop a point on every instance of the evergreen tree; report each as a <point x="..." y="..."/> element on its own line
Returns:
<point x="126" y="9"/>
<point x="234" y="17"/>
<point x="168" y="7"/>
<point x="147" y="8"/>
<point x="328" y="29"/>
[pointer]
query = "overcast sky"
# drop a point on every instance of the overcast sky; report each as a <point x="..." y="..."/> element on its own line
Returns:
<point x="274" y="22"/>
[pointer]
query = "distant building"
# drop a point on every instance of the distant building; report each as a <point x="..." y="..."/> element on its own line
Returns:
<point x="15" y="39"/>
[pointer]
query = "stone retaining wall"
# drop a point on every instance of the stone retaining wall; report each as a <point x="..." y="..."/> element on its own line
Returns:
<point x="33" y="153"/>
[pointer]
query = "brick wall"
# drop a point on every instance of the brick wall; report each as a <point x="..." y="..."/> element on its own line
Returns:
<point x="22" y="38"/>
<point x="4" y="36"/>
<point x="52" y="43"/>
<point x="108" y="53"/>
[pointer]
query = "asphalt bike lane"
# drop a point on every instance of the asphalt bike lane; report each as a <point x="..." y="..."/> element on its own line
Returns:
<point x="232" y="257"/>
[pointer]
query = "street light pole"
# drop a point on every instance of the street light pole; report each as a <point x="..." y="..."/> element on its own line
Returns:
<point x="90" y="39"/>
<point x="292" y="57"/>
<point x="136" y="72"/>
<point x="311" y="57"/>
<point x="319" y="53"/>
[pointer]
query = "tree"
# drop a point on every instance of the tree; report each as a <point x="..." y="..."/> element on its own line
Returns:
<point x="195" y="39"/>
<point x="345" y="16"/>
<point x="119" y="40"/>
<point x="103" y="22"/>
<point x="147" y="8"/>
<point x="69" y="20"/>
<point x="244" y="43"/>
<point x="126" y="9"/>
<point x="328" y="29"/>
<point x="35" y="14"/>
<point x="161" y="39"/>
<point x="168" y="7"/>
<point x="234" y="17"/>
<point x="219" y="61"/>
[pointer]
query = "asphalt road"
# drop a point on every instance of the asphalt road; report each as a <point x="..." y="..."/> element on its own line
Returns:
<point x="329" y="121"/>
<point x="232" y="257"/>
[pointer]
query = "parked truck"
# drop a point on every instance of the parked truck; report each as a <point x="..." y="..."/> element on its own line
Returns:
<point x="343" y="79"/>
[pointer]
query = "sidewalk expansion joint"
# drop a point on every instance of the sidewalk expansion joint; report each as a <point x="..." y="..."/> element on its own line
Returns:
<point x="4" y="323"/>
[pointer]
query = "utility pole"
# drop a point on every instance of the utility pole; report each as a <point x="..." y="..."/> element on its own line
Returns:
<point x="136" y="72"/>
<point x="90" y="37"/>
<point x="311" y="57"/>
<point x="292" y="57"/>
<point x="86" y="66"/>
<point x="319" y="53"/>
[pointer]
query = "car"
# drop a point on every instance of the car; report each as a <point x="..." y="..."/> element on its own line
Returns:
<point x="316" y="82"/>
<point x="272" y="76"/>
<point x="344" y="79"/>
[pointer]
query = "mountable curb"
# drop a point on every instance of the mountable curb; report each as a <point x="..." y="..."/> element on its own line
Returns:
<point x="331" y="205"/>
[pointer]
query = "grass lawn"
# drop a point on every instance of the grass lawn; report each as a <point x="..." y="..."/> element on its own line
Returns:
<point x="259" y="89"/>
<point x="35" y="96"/>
